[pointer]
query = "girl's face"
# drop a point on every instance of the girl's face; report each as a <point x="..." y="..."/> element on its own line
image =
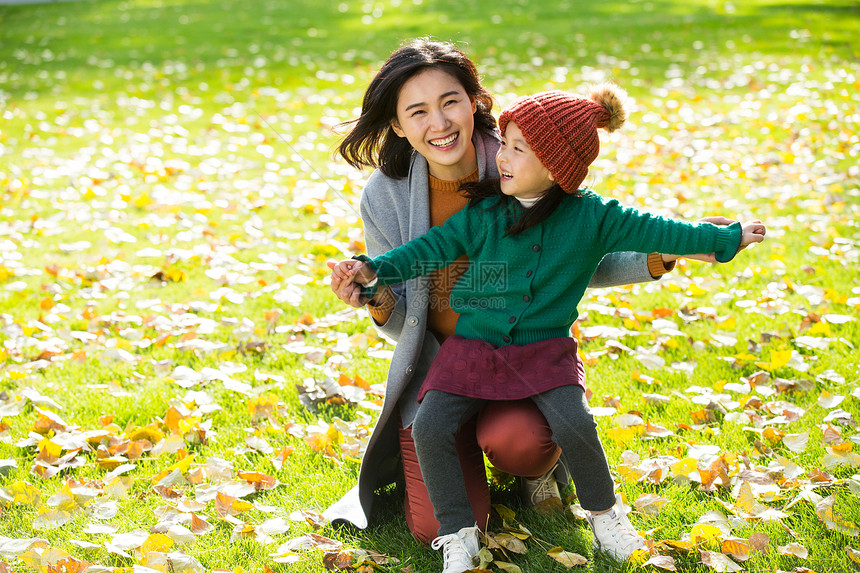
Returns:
<point x="522" y="174"/>
<point x="436" y="115"/>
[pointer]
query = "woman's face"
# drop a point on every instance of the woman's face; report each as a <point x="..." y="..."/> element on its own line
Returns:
<point x="436" y="116"/>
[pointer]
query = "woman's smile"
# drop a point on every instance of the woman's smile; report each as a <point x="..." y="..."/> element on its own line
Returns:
<point x="445" y="142"/>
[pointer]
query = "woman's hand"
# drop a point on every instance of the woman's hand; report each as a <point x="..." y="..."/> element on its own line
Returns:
<point x="343" y="284"/>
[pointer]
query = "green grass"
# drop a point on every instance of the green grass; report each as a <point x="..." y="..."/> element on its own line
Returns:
<point x="192" y="142"/>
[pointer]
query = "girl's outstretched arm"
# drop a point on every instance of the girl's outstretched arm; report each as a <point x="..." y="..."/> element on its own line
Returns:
<point x="705" y="257"/>
<point x="624" y="228"/>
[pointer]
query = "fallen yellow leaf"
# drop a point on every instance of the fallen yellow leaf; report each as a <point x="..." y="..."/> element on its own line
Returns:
<point x="156" y="542"/>
<point x="704" y="534"/>
<point x="778" y="359"/>
<point x="182" y="465"/>
<point x="24" y="493"/>
<point x="684" y="467"/>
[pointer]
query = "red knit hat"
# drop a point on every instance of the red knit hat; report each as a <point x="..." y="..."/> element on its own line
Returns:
<point x="561" y="128"/>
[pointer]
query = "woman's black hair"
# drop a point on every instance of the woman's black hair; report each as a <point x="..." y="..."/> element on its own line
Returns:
<point x="477" y="191"/>
<point x="372" y="142"/>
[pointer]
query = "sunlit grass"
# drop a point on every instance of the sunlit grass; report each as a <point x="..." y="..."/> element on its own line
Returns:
<point x="173" y="160"/>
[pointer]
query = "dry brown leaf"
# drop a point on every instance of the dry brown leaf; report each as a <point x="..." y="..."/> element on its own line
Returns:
<point x="718" y="561"/>
<point x="662" y="561"/>
<point x="259" y="480"/>
<point x="549" y="506"/>
<point x="795" y="549"/>
<point x="511" y="542"/>
<point x="48" y="422"/>
<point x="68" y="565"/>
<point x="167" y="493"/>
<point x="737" y="548"/>
<point x="826" y="512"/>
<point x="675" y="545"/>
<point x="759" y="541"/>
<point x="832" y="435"/>
<point x="567" y="558"/>
<point x="229" y="505"/>
<point x="337" y="560"/>
<point x="820" y="476"/>
<point x="199" y="525"/>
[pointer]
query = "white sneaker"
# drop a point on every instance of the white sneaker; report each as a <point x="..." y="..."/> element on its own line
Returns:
<point x="614" y="535"/>
<point x="536" y="491"/>
<point x="458" y="549"/>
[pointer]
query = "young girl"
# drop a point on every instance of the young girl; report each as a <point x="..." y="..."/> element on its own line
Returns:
<point x="533" y="239"/>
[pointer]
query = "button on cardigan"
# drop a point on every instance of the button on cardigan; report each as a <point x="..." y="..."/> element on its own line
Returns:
<point x="524" y="288"/>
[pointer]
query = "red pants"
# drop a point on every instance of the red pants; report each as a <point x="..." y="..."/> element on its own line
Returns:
<point x="516" y="439"/>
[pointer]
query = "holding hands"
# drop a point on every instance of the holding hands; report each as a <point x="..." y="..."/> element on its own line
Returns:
<point x="347" y="279"/>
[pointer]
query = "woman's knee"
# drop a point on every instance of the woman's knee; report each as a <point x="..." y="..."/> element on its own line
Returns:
<point x="516" y="438"/>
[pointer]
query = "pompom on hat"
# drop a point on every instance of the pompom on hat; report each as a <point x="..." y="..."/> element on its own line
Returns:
<point x="561" y="128"/>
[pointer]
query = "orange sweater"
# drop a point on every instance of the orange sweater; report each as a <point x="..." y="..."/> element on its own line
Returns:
<point x="445" y="200"/>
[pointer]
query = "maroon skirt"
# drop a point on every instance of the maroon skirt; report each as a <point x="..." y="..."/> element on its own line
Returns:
<point x="474" y="368"/>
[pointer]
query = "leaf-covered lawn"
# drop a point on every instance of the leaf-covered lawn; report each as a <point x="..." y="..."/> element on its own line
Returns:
<point x="180" y="391"/>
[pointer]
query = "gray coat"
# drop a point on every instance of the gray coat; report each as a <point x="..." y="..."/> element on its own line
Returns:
<point x="395" y="211"/>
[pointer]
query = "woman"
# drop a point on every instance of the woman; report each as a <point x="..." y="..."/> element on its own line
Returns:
<point x="426" y="127"/>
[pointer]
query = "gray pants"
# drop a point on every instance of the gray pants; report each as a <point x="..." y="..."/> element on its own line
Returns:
<point x="439" y="418"/>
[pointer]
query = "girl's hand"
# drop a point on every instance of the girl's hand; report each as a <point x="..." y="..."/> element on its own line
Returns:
<point x="752" y="233"/>
<point x="343" y="270"/>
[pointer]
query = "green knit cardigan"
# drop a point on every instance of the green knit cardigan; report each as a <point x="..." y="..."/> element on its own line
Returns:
<point x="524" y="288"/>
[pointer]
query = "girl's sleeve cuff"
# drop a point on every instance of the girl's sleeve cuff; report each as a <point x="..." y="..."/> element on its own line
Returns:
<point x="728" y="242"/>
<point x="371" y="289"/>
